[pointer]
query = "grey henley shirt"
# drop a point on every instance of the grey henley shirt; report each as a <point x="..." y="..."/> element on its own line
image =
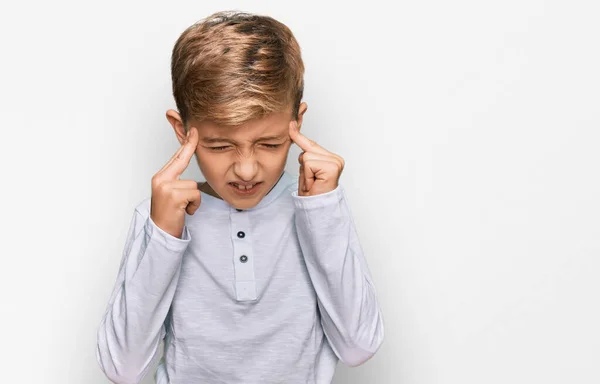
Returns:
<point x="278" y="293"/>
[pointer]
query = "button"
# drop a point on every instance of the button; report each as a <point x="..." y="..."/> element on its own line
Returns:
<point x="241" y="234"/>
<point x="243" y="258"/>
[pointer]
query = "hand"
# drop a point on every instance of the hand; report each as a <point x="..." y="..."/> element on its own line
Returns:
<point x="320" y="170"/>
<point x="172" y="197"/>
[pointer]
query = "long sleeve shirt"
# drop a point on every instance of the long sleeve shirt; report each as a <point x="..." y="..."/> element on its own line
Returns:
<point x="278" y="293"/>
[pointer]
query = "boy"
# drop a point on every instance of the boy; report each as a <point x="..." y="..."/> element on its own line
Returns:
<point x="251" y="277"/>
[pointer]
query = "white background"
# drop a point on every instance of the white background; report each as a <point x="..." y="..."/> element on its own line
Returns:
<point x="471" y="134"/>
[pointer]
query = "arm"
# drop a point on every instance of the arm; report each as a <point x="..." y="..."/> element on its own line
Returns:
<point x="350" y="315"/>
<point x="133" y="324"/>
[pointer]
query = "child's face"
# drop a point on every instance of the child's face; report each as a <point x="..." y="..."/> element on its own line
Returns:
<point x="255" y="152"/>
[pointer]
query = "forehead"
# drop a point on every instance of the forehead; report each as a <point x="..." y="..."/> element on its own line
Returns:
<point x="274" y="124"/>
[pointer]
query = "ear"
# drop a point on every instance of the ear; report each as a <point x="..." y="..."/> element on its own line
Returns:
<point x="175" y="120"/>
<point x="301" y="109"/>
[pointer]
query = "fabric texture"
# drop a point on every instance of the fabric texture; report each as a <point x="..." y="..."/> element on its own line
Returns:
<point x="278" y="293"/>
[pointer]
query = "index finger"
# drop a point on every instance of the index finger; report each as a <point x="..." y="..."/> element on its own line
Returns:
<point x="304" y="142"/>
<point x="180" y="161"/>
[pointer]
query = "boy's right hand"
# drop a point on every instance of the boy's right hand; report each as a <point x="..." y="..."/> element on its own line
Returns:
<point x="172" y="197"/>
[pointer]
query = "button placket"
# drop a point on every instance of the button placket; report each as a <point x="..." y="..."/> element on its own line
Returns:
<point x="243" y="257"/>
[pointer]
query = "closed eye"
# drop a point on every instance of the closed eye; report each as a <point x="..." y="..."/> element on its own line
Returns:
<point x="270" y="146"/>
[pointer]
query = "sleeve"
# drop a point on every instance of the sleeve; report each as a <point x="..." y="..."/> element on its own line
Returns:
<point x="133" y="323"/>
<point x="350" y="314"/>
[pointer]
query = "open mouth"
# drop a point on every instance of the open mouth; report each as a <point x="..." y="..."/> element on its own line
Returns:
<point x="242" y="190"/>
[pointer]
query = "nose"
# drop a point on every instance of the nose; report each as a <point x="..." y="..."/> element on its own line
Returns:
<point x="246" y="168"/>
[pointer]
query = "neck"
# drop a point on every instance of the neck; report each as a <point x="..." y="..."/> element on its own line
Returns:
<point x="206" y="188"/>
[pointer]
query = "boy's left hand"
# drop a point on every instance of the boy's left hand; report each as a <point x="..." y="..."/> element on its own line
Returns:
<point x="320" y="169"/>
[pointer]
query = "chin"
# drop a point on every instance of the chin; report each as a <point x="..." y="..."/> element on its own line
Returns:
<point x="244" y="204"/>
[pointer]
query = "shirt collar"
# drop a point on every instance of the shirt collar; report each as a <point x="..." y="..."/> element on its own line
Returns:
<point x="285" y="180"/>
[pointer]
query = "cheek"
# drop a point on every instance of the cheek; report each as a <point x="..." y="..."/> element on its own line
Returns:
<point x="209" y="164"/>
<point x="278" y="157"/>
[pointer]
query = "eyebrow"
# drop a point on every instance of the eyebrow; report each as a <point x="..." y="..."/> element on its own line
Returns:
<point x="209" y="140"/>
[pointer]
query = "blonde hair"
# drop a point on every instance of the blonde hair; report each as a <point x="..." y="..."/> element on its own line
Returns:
<point x="232" y="67"/>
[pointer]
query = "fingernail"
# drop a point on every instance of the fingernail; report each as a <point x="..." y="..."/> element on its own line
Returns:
<point x="188" y="133"/>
